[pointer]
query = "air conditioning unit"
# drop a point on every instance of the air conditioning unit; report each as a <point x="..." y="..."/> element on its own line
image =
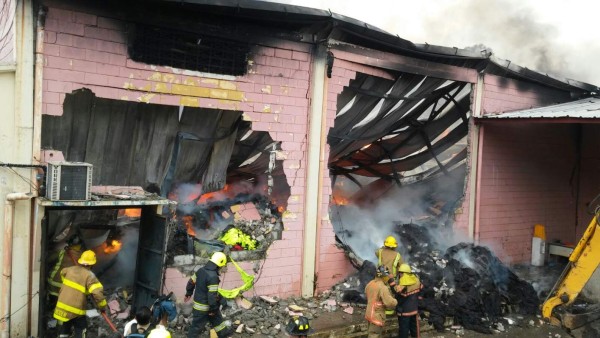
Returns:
<point x="69" y="181"/>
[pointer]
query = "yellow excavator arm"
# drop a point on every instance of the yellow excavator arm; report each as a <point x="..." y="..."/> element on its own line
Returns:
<point x="583" y="261"/>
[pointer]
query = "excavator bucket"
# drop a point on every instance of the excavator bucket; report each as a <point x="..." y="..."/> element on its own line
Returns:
<point x="576" y="320"/>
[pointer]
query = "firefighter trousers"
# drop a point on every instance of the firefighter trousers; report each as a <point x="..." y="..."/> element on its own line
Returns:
<point x="408" y="324"/>
<point x="199" y="320"/>
<point x="77" y="323"/>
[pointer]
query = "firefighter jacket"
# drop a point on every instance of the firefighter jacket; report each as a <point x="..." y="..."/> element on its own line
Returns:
<point x="390" y="258"/>
<point x="77" y="283"/>
<point x="408" y="298"/>
<point x="67" y="257"/>
<point x="204" y="284"/>
<point x="379" y="298"/>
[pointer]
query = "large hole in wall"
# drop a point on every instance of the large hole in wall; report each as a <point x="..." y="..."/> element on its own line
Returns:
<point x="398" y="151"/>
<point x="223" y="174"/>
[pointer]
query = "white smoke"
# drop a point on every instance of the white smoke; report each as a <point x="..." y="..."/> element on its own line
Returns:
<point x="365" y="228"/>
<point x="553" y="36"/>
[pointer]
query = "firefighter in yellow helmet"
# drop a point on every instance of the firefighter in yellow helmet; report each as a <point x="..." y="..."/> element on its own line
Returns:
<point x="204" y="285"/>
<point x="77" y="282"/>
<point x="407" y="293"/>
<point x="390" y="258"/>
<point x="379" y="299"/>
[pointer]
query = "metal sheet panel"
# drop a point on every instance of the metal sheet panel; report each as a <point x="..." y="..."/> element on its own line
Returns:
<point x="582" y="109"/>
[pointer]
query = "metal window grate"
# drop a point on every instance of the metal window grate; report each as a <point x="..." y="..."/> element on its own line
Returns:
<point x="185" y="50"/>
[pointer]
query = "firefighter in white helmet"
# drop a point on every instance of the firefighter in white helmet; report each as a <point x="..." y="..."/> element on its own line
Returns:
<point x="204" y="284"/>
<point x="77" y="282"/>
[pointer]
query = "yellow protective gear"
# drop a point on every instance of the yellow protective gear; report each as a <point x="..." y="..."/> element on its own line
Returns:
<point x="390" y="242"/>
<point x="408" y="279"/>
<point x="235" y="236"/>
<point x="405" y="268"/>
<point x="88" y="257"/>
<point x="247" y="278"/>
<point x="219" y="259"/>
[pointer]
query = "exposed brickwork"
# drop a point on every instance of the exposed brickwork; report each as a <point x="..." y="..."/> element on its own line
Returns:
<point x="85" y="50"/>
<point x="525" y="180"/>
<point x="502" y="94"/>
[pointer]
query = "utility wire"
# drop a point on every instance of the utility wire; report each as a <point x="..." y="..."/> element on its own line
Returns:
<point x="7" y="317"/>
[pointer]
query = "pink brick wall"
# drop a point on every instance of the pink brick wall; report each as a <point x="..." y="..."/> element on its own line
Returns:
<point x="85" y="50"/>
<point x="503" y="94"/>
<point x="525" y="180"/>
<point x="590" y="179"/>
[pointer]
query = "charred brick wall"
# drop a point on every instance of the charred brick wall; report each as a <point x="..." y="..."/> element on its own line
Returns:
<point x="502" y="94"/>
<point x="526" y="180"/>
<point x="86" y="50"/>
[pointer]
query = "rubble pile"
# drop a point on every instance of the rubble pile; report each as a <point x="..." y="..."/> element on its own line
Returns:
<point x="468" y="283"/>
<point x="269" y="315"/>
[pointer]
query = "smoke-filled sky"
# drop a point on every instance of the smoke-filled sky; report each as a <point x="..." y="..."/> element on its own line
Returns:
<point x="551" y="36"/>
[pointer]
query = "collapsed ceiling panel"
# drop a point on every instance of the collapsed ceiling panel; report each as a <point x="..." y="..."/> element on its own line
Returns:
<point x="384" y="128"/>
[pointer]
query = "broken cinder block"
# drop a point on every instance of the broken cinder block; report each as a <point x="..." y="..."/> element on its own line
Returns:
<point x="268" y="299"/>
<point x="243" y="303"/>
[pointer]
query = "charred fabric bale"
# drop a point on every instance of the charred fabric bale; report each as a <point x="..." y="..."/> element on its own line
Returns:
<point x="468" y="283"/>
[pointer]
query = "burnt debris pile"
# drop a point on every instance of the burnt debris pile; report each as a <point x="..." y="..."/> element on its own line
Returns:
<point x="467" y="283"/>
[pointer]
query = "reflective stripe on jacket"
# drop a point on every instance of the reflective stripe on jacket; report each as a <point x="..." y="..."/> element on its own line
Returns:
<point x="66" y="258"/>
<point x="408" y="299"/>
<point x="77" y="283"/>
<point x="204" y="284"/>
<point x="379" y="298"/>
<point x="390" y="258"/>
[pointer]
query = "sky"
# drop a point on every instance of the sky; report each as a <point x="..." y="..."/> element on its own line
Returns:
<point x="556" y="37"/>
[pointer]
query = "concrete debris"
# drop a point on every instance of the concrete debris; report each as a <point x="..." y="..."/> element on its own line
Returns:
<point x="240" y="328"/>
<point x="296" y="308"/>
<point x="268" y="299"/>
<point x="349" y="310"/>
<point x="243" y="303"/>
<point x="114" y="306"/>
<point x="249" y="330"/>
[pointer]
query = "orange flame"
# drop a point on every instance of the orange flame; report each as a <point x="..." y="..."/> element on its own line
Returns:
<point x="280" y="208"/>
<point x="340" y="200"/>
<point x="135" y="212"/>
<point x="187" y="221"/>
<point x="115" y="246"/>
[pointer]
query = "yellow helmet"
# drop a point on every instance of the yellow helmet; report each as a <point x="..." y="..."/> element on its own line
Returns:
<point x="390" y="242"/>
<point x="87" y="258"/>
<point x="405" y="268"/>
<point x="219" y="258"/>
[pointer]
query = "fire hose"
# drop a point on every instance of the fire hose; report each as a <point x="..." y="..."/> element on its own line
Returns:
<point x="112" y="326"/>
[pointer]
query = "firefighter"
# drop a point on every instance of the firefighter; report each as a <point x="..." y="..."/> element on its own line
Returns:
<point x="388" y="256"/>
<point x="204" y="285"/>
<point x="298" y="327"/>
<point x="77" y="282"/>
<point x="407" y="294"/>
<point x="391" y="259"/>
<point x="65" y="258"/>
<point x="379" y="299"/>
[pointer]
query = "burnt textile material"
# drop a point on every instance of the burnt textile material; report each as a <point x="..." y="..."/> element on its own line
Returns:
<point x="468" y="283"/>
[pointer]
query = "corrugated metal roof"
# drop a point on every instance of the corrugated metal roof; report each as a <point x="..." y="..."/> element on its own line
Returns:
<point x="263" y="11"/>
<point x="582" y="109"/>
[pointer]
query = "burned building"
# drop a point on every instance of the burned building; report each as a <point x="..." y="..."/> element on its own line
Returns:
<point x="288" y="123"/>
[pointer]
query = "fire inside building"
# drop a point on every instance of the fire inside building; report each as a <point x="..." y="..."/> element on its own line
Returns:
<point x="293" y="139"/>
